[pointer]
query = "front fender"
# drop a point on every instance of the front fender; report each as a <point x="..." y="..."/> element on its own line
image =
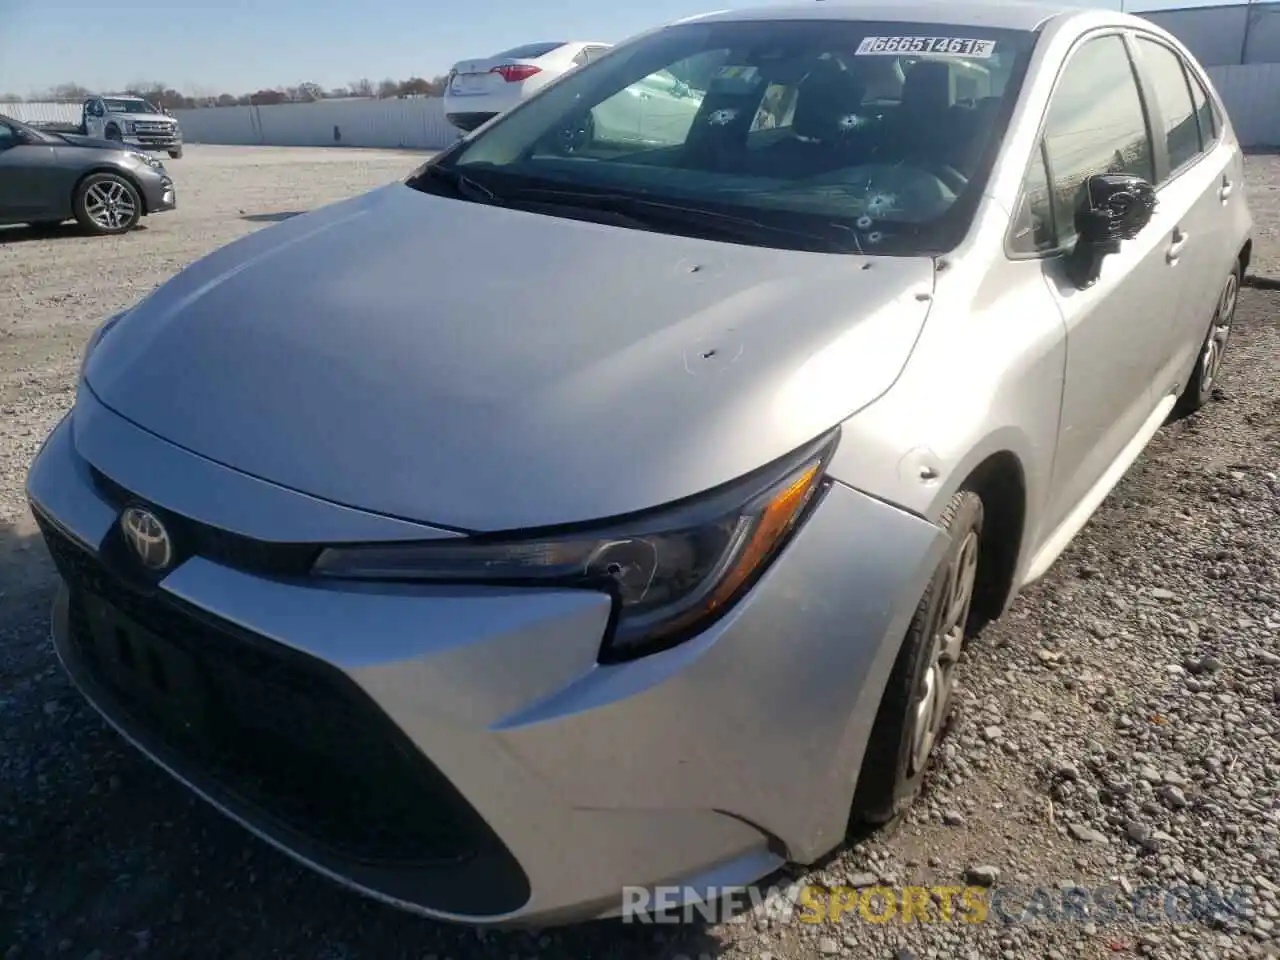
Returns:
<point x="985" y="379"/>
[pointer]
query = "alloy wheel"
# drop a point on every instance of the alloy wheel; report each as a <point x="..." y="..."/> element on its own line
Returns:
<point x="1216" y="344"/>
<point x="933" y="699"/>
<point x="110" y="204"/>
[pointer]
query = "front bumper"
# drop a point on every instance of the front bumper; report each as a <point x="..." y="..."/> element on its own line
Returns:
<point x="158" y="141"/>
<point x="470" y="120"/>
<point x="158" y="192"/>
<point x="462" y="753"/>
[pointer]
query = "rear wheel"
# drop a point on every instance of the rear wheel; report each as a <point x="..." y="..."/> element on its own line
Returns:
<point x="106" y="203"/>
<point x="1208" y="369"/>
<point x="916" y="705"/>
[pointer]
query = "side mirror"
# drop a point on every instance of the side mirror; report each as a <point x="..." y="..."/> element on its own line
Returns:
<point x="1117" y="207"/>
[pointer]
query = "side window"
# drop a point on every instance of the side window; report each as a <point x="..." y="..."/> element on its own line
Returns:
<point x="581" y="57"/>
<point x="8" y="136"/>
<point x="1096" y="124"/>
<point x="1204" y="112"/>
<point x="1033" y="230"/>
<point x="1181" y="132"/>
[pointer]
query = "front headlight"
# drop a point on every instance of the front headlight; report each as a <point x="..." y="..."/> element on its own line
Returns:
<point x="95" y="338"/>
<point x="671" y="572"/>
<point x="146" y="158"/>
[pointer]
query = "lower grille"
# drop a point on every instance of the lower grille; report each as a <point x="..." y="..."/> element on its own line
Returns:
<point x="290" y="742"/>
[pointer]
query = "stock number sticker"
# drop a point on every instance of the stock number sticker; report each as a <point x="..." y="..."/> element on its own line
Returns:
<point x="931" y="46"/>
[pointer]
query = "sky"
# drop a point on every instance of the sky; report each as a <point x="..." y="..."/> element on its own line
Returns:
<point x="208" y="47"/>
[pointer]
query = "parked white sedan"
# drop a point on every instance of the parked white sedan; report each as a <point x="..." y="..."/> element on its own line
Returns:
<point x="481" y="89"/>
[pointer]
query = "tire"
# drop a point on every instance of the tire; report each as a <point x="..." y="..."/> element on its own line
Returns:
<point x="107" y="204"/>
<point x="1207" y="372"/>
<point x="895" y="763"/>
<point x="175" y="154"/>
<point x="113" y="133"/>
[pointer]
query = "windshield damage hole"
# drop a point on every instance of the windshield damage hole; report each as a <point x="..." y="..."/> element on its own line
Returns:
<point x="709" y="354"/>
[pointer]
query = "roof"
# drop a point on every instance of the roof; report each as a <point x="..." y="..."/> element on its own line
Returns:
<point x="997" y="14"/>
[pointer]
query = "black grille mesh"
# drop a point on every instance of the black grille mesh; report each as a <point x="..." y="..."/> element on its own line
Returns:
<point x="293" y="743"/>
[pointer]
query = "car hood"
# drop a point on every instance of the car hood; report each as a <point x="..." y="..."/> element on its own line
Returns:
<point x="485" y="368"/>
<point x="93" y="143"/>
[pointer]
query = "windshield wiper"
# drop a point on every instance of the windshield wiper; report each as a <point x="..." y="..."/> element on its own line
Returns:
<point x="659" y="213"/>
<point x="463" y="185"/>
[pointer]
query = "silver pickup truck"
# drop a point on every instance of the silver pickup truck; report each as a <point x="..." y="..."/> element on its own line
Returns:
<point x="128" y="119"/>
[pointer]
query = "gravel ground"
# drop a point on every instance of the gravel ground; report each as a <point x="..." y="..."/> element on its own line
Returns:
<point x="1120" y="726"/>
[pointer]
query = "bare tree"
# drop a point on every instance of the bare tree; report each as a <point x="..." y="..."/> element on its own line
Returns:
<point x="10" y="98"/>
<point x="267" y="97"/>
<point x="69" y="91"/>
<point x="415" y="87"/>
<point x="170" y="99"/>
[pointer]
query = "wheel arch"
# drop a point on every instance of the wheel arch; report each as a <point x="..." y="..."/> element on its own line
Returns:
<point x="1000" y="481"/>
<point x="122" y="174"/>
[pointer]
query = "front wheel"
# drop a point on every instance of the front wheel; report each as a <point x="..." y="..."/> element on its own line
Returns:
<point x="175" y="154"/>
<point x="106" y="203"/>
<point x="113" y="133"/>
<point x="1208" y="368"/>
<point x="916" y="705"/>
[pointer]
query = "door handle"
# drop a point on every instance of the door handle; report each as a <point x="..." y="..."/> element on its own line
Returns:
<point x="1176" y="244"/>
<point x="1227" y="189"/>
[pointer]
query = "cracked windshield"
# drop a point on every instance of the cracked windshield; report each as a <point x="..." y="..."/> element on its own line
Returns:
<point x="869" y="135"/>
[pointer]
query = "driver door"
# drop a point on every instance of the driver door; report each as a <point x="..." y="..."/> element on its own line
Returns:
<point x="1115" y="328"/>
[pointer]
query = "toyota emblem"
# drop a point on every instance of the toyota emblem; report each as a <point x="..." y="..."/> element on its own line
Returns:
<point x="148" y="538"/>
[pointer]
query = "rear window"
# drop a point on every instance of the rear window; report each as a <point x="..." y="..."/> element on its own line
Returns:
<point x="530" y="51"/>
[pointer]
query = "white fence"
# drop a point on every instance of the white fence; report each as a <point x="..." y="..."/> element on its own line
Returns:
<point x="1251" y="92"/>
<point x="45" y="111"/>
<point x="1252" y="95"/>
<point x="412" y="123"/>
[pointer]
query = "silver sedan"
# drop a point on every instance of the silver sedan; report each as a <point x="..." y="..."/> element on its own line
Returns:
<point x="585" y="513"/>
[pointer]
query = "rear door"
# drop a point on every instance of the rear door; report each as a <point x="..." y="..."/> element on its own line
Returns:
<point x="1194" y="183"/>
